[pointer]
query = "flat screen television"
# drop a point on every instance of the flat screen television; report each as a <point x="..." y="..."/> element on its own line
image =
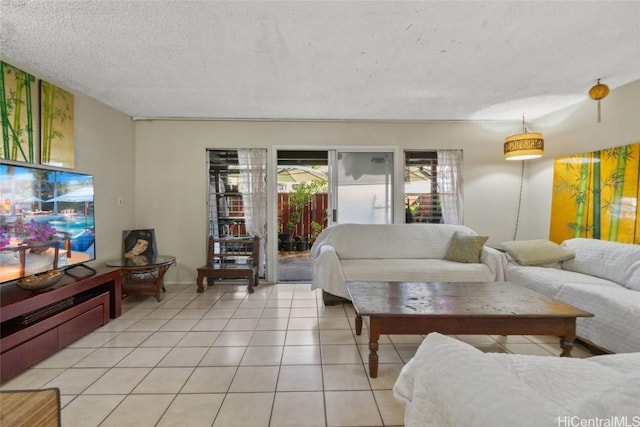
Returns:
<point x="46" y="220"/>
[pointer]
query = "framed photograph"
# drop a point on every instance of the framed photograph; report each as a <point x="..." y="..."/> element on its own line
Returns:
<point x="18" y="97"/>
<point x="139" y="246"/>
<point x="57" y="143"/>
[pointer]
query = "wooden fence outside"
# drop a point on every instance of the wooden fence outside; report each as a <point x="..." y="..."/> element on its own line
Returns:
<point x="315" y="211"/>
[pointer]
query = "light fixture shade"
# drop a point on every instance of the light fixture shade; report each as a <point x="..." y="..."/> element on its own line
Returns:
<point x="598" y="91"/>
<point x="523" y="146"/>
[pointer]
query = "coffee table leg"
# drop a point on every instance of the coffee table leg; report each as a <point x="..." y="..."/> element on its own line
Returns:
<point x="567" y="346"/>
<point x="374" y="336"/>
<point x="566" y="341"/>
<point x="358" y="325"/>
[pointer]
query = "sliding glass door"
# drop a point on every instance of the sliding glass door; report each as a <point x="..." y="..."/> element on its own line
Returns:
<point x="361" y="190"/>
<point x="324" y="187"/>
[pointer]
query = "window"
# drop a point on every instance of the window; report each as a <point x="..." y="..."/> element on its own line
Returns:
<point x="226" y="212"/>
<point x="422" y="202"/>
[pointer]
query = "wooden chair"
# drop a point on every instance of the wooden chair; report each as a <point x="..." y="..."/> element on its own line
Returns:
<point x="231" y="258"/>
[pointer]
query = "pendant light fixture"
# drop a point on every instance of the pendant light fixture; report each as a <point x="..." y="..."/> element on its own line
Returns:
<point x="598" y="92"/>
<point x="523" y="146"/>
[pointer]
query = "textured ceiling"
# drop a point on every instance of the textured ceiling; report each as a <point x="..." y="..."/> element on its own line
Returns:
<point x="374" y="60"/>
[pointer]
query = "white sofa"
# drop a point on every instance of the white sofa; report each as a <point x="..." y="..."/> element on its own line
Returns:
<point x="602" y="278"/>
<point x="450" y="383"/>
<point x="396" y="252"/>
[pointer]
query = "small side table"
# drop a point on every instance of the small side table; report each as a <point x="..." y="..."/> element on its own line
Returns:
<point x="146" y="279"/>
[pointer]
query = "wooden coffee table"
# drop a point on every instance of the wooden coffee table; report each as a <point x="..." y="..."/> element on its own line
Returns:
<point x="499" y="308"/>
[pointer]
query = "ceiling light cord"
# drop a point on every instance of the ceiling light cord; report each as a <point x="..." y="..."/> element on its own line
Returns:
<point x="515" y="232"/>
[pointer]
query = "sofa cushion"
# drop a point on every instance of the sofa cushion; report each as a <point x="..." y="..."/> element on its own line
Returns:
<point x="548" y="281"/>
<point x="411" y="270"/>
<point x="536" y="252"/>
<point x="616" y="310"/>
<point x="621" y="394"/>
<point x="566" y="380"/>
<point x="465" y="248"/>
<point x="381" y="241"/>
<point x="619" y="262"/>
<point x="449" y="383"/>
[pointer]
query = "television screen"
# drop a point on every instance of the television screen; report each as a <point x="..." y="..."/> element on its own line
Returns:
<point x="46" y="220"/>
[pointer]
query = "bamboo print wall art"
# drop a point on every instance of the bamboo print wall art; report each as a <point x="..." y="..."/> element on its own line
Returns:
<point x="17" y="99"/>
<point x="56" y="126"/>
<point x="595" y="195"/>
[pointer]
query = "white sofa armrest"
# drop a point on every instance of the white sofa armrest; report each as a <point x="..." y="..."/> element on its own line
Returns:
<point x="450" y="383"/>
<point x="496" y="261"/>
<point x="327" y="272"/>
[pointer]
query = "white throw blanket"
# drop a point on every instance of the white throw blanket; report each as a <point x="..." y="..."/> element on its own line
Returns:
<point x="395" y="252"/>
<point x="450" y="383"/>
<point x="381" y="241"/>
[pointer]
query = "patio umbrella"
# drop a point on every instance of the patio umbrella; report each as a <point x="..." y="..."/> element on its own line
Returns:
<point x="30" y="199"/>
<point x="83" y="194"/>
<point x="298" y="174"/>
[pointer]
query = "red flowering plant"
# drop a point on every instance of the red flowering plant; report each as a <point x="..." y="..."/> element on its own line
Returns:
<point x="34" y="231"/>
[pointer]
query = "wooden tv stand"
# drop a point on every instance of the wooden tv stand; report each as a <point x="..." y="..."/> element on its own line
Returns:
<point x="33" y="326"/>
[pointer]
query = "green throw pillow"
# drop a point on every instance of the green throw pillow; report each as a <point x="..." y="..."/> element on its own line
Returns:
<point x="465" y="248"/>
<point x="536" y="252"/>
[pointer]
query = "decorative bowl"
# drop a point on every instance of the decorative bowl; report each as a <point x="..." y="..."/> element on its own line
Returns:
<point x="40" y="282"/>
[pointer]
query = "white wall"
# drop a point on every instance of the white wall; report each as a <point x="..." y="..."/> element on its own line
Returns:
<point x="171" y="170"/>
<point x="105" y="142"/>
<point x="572" y="131"/>
<point x="171" y="165"/>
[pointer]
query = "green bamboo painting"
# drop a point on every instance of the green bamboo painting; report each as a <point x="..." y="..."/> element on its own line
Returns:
<point x="595" y="195"/>
<point x="574" y="184"/>
<point x="622" y="155"/>
<point x="16" y="111"/>
<point x="56" y="126"/>
<point x="581" y="200"/>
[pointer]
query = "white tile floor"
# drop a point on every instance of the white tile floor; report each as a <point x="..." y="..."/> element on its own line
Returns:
<point x="277" y="357"/>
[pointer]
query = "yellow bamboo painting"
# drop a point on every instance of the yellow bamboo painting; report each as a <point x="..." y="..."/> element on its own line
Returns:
<point x="56" y="126"/>
<point x="595" y="195"/>
<point x="17" y="99"/>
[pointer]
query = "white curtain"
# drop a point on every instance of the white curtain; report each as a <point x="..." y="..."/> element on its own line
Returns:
<point x="450" y="185"/>
<point x="253" y="174"/>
